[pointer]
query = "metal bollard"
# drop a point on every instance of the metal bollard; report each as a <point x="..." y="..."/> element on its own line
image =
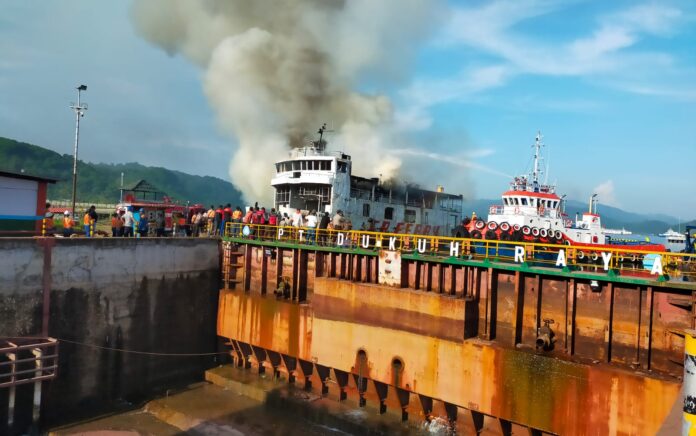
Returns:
<point x="689" y="384"/>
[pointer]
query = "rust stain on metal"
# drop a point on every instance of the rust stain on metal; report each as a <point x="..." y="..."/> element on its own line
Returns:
<point x="466" y="336"/>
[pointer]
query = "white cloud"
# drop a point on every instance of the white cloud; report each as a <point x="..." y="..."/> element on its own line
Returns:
<point x="491" y="29"/>
<point x="424" y="94"/>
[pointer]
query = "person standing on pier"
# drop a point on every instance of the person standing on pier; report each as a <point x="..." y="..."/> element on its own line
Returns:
<point x="128" y="222"/>
<point x="143" y="224"/>
<point x="217" y="220"/>
<point x="311" y="223"/>
<point x="88" y="222"/>
<point x="116" y="225"/>
<point x="68" y="224"/>
<point x="323" y="226"/>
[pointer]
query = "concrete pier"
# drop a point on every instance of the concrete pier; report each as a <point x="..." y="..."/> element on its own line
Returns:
<point x="154" y="295"/>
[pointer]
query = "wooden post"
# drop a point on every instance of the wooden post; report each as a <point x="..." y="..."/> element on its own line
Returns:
<point x="453" y="280"/>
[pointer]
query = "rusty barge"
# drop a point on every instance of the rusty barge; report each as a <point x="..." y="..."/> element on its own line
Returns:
<point x="406" y="323"/>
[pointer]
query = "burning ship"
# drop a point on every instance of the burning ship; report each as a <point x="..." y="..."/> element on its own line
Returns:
<point x="314" y="178"/>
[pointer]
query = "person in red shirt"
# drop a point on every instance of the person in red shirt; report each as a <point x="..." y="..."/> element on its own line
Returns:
<point x="218" y="219"/>
<point x="226" y="216"/>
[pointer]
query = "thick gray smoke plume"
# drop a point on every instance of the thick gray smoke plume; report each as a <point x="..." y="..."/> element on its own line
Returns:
<point x="276" y="70"/>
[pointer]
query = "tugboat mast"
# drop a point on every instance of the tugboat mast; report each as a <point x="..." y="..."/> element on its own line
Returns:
<point x="537" y="153"/>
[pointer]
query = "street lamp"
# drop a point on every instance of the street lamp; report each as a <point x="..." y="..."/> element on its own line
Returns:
<point x="79" y="109"/>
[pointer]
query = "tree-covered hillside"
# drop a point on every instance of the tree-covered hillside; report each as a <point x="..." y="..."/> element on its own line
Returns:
<point x="101" y="182"/>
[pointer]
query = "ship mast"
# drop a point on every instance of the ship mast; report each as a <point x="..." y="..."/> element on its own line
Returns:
<point x="537" y="155"/>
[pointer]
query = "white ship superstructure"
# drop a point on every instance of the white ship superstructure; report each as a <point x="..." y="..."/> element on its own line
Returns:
<point x="534" y="208"/>
<point x="313" y="178"/>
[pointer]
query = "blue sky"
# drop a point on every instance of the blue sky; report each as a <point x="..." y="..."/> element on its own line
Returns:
<point x="611" y="85"/>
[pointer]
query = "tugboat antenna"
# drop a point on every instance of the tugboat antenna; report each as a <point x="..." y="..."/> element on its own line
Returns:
<point x="537" y="153"/>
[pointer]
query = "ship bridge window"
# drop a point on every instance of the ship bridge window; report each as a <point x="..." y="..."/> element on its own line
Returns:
<point x="524" y="201"/>
<point x="342" y="167"/>
<point x="388" y="213"/>
<point x="410" y="216"/>
<point x="282" y="195"/>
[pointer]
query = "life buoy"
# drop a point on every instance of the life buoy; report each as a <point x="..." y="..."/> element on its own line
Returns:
<point x="543" y="233"/>
<point x="491" y="235"/>
<point x="476" y="234"/>
<point x="594" y="257"/>
<point x="480" y="224"/>
<point x="581" y="255"/>
<point x="526" y="231"/>
<point x="492" y="225"/>
<point x="535" y="231"/>
<point x="558" y="234"/>
<point x="516" y="227"/>
<point x="505" y="227"/>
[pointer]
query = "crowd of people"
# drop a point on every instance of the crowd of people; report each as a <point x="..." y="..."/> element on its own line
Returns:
<point x="216" y="221"/>
<point x="226" y="220"/>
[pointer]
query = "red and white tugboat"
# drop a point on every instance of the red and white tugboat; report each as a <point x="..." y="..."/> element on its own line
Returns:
<point x="533" y="212"/>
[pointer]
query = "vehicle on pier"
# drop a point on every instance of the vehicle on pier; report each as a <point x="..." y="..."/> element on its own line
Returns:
<point x="316" y="179"/>
<point x="533" y="212"/>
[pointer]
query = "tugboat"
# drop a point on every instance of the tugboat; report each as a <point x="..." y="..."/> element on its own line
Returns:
<point x="320" y="180"/>
<point x="533" y="212"/>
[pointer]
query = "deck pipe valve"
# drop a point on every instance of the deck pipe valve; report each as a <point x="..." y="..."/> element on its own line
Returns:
<point x="545" y="336"/>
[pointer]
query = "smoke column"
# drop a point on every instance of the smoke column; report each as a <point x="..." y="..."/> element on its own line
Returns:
<point x="274" y="71"/>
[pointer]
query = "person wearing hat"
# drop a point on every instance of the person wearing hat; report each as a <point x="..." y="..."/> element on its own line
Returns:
<point x="68" y="224"/>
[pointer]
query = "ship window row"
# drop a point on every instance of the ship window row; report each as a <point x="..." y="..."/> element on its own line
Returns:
<point x="303" y="165"/>
<point x="534" y="202"/>
<point x="300" y="196"/>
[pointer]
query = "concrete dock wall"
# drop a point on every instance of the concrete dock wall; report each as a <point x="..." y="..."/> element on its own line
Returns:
<point x="150" y="295"/>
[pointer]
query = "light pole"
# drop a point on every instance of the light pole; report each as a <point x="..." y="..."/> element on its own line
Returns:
<point x="79" y="109"/>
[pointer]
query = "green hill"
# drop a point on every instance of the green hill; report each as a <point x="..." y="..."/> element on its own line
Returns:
<point x="100" y="183"/>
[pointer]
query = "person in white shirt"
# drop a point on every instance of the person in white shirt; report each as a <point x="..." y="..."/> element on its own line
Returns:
<point x="311" y="224"/>
<point x="128" y="222"/>
<point x="297" y="218"/>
